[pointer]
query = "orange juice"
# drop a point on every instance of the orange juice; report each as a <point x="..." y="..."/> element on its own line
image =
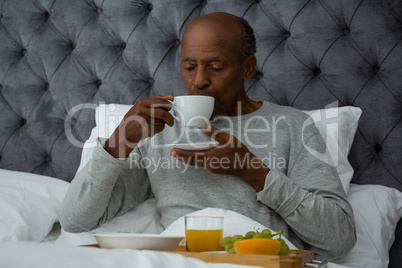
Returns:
<point x="204" y="240"/>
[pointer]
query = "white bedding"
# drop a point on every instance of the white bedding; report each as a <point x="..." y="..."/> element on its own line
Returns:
<point x="48" y="255"/>
<point x="377" y="210"/>
<point x="33" y="218"/>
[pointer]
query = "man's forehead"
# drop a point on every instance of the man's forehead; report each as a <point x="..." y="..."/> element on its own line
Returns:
<point x="205" y="43"/>
<point x="209" y="40"/>
<point x="206" y="59"/>
<point x="207" y="51"/>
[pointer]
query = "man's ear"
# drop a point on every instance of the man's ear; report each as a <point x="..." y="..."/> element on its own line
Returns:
<point x="249" y="67"/>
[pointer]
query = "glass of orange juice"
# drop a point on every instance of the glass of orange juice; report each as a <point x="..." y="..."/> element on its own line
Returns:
<point x="204" y="233"/>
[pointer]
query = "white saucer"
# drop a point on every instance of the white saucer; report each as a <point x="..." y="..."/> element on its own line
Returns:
<point x="194" y="146"/>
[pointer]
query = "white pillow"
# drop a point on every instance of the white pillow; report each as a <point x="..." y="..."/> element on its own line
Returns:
<point x="29" y="204"/>
<point x="377" y="210"/>
<point x="107" y="118"/>
<point x="337" y="126"/>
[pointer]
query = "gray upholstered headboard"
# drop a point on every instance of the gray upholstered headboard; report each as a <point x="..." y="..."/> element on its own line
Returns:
<point x="57" y="54"/>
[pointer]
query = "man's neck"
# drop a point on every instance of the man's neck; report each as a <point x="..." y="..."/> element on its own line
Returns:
<point x="245" y="105"/>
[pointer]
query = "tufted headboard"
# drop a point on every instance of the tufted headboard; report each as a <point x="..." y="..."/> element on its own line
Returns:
<point x="64" y="57"/>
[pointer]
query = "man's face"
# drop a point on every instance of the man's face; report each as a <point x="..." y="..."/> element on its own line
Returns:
<point x="212" y="65"/>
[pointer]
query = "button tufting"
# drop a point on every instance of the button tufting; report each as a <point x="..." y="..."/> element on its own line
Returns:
<point x="123" y="45"/>
<point x="72" y="46"/>
<point x="98" y="82"/>
<point x="48" y="159"/>
<point x="317" y="71"/>
<point x="346" y="31"/>
<point x="150" y="7"/>
<point x="259" y="75"/>
<point x="286" y="34"/>
<point x="46" y="86"/>
<point x="24" y="51"/>
<point x="204" y="2"/>
<point x="376" y="69"/>
<point x="177" y="43"/>
<point x="151" y="81"/>
<point x="47" y="15"/>
<point x="23" y="122"/>
<point x="99" y="10"/>
<point x="377" y="148"/>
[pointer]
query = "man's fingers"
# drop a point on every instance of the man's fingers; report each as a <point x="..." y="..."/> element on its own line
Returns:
<point x="157" y="108"/>
<point x="220" y="136"/>
<point x="161" y="115"/>
<point x="159" y="102"/>
<point x="215" y="133"/>
<point x="170" y="98"/>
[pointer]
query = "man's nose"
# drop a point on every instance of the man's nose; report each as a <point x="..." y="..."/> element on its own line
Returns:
<point x="201" y="79"/>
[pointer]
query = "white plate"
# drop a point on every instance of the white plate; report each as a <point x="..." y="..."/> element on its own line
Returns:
<point x="137" y="241"/>
<point x="194" y="146"/>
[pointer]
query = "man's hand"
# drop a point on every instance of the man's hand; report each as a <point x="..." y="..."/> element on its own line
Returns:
<point x="230" y="157"/>
<point x="146" y="118"/>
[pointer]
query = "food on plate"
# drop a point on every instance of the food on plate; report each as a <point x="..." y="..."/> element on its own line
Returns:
<point x="260" y="246"/>
<point x="284" y="248"/>
<point x="255" y="242"/>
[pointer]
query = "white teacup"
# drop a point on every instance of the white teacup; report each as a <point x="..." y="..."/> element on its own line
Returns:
<point x="193" y="110"/>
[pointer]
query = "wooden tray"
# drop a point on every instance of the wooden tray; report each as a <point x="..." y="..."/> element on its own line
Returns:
<point x="295" y="259"/>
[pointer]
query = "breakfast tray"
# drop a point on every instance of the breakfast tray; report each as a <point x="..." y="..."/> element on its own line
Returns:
<point x="295" y="259"/>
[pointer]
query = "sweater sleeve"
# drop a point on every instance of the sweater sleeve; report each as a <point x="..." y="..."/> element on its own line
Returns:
<point x="104" y="188"/>
<point x="311" y="200"/>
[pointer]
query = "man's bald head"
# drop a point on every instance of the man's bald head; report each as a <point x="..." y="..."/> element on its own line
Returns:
<point x="232" y="30"/>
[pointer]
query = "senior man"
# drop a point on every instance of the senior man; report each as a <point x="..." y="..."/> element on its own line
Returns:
<point x="266" y="174"/>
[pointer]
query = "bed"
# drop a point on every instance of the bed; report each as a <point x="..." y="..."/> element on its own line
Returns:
<point x="69" y="69"/>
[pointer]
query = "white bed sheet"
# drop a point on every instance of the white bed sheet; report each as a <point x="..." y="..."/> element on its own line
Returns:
<point x="377" y="211"/>
<point x="50" y="255"/>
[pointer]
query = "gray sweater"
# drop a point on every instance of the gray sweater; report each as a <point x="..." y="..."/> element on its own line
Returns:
<point x="302" y="195"/>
